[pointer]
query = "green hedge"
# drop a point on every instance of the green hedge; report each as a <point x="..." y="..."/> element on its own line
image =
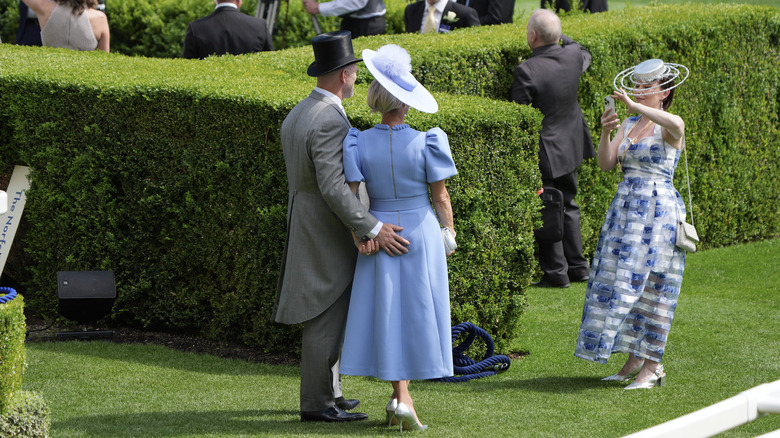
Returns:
<point x="12" y="352"/>
<point x="177" y="183"/>
<point x="170" y="173"/>
<point x="28" y="417"/>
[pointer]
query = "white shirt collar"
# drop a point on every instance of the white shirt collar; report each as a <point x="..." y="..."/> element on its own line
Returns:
<point x="335" y="99"/>
<point x="440" y="5"/>
<point x="225" y="5"/>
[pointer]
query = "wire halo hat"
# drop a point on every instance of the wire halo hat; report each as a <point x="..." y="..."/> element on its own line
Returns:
<point x="391" y="66"/>
<point x="650" y="71"/>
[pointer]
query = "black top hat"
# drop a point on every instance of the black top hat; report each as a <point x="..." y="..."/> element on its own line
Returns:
<point x="332" y="51"/>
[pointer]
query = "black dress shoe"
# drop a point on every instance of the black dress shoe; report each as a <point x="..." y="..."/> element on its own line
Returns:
<point x="545" y="283"/>
<point x="331" y="415"/>
<point x="579" y="279"/>
<point x="347" y="404"/>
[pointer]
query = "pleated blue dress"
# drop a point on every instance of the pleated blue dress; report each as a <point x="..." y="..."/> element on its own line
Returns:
<point x="637" y="271"/>
<point x="398" y="325"/>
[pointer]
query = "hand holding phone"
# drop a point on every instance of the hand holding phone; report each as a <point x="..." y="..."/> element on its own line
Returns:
<point x="609" y="104"/>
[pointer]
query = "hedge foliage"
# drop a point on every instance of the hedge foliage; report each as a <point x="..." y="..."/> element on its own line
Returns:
<point x="28" y="417"/>
<point x="177" y="183"/>
<point x="12" y="352"/>
<point x="170" y="173"/>
<point x="156" y="28"/>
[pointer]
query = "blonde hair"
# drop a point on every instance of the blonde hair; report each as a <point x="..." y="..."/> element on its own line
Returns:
<point x="380" y="100"/>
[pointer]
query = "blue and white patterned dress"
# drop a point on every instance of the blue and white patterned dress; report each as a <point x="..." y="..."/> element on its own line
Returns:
<point x="637" y="270"/>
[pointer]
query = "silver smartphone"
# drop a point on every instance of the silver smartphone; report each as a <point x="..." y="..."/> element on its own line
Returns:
<point x="609" y="104"/>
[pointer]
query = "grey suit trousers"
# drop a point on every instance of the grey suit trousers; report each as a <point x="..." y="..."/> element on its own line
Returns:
<point x="323" y="337"/>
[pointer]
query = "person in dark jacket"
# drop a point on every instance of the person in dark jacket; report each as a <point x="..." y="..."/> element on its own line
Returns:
<point x="439" y="16"/>
<point x="549" y="81"/>
<point x="227" y="31"/>
<point x="492" y="11"/>
<point x="29" y="31"/>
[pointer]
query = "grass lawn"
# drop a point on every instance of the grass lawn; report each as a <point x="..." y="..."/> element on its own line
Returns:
<point x="724" y="340"/>
<point x="523" y="8"/>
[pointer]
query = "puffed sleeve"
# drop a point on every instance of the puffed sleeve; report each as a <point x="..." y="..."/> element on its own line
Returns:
<point x="352" y="170"/>
<point x="439" y="164"/>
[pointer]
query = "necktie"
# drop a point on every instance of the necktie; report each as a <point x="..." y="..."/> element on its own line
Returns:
<point x="430" y="20"/>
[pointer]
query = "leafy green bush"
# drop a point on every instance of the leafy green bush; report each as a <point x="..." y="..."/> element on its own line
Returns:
<point x="12" y="353"/>
<point x="170" y="172"/>
<point x="27" y="417"/>
<point x="9" y="20"/>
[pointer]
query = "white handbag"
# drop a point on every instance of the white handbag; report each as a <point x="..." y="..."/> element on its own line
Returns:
<point x="449" y="241"/>
<point x="687" y="238"/>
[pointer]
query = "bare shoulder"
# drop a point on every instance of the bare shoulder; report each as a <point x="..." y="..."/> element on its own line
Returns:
<point x="96" y="16"/>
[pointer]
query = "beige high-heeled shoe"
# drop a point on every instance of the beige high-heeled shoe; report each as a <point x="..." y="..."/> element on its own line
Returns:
<point x="657" y="379"/>
<point x="390" y="417"/>
<point x="407" y="420"/>
<point x="622" y="378"/>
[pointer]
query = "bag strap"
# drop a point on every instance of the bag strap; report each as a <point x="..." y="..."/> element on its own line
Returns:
<point x="687" y="179"/>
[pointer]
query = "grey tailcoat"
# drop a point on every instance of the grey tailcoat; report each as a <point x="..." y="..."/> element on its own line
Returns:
<point x="319" y="253"/>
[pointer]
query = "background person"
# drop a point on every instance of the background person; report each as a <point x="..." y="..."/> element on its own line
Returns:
<point x="637" y="270"/>
<point x="492" y="11"/>
<point x="549" y="81"/>
<point x="438" y="16"/>
<point x="360" y="17"/>
<point x="319" y="256"/>
<point x="29" y="31"/>
<point x="226" y="31"/>
<point x="71" y="24"/>
<point x="398" y="328"/>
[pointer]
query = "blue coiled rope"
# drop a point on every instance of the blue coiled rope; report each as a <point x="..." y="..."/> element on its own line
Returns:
<point x="466" y="368"/>
<point x="6" y="294"/>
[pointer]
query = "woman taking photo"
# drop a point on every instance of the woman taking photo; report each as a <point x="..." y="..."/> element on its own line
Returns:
<point x="398" y="324"/>
<point x="637" y="269"/>
<point x="71" y="24"/>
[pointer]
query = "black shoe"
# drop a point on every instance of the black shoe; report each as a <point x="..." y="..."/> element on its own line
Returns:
<point x="546" y="284"/>
<point x="331" y="415"/>
<point x="579" y="279"/>
<point x="347" y="404"/>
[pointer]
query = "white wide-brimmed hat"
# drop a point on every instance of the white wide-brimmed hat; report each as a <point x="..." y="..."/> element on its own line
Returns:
<point x="391" y="66"/>
<point x="650" y="71"/>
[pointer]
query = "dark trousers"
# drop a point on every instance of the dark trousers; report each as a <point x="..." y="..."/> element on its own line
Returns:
<point x="364" y="27"/>
<point x="563" y="260"/>
<point x="323" y="337"/>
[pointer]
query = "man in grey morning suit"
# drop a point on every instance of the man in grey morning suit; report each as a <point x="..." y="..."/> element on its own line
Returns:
<point x="319" y="254"/>
<point x="549" y="81"/>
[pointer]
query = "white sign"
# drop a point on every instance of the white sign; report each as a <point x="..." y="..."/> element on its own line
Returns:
<point x="9" y="221"/>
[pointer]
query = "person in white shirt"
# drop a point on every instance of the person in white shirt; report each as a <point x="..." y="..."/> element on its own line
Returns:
<point x="359" y="17"/>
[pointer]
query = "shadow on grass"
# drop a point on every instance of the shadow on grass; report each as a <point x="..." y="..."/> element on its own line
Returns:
<point x="555" y="385"/>
<point x="160" y="356"/>
<point x="209" y="423"/>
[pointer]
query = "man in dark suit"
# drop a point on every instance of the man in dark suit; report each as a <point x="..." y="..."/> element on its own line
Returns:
<point x="319" y="258"/>
<point x="549" y="81"/>
<point x="492" y="11"/>
<point x="438" y="16"/>
<point x="226" y="31"/>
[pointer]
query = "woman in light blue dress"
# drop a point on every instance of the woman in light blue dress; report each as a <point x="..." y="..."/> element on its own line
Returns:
<point x="398" y="325"/>
<point x="637" y="271"/>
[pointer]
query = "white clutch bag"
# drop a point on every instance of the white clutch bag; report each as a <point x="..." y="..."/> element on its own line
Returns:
<point x="449" y="241"/>
<point x="687" y="238"/>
